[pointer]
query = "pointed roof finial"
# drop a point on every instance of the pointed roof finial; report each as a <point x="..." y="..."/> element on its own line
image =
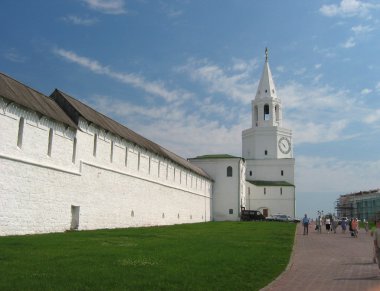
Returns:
<point x="266" y="54"/>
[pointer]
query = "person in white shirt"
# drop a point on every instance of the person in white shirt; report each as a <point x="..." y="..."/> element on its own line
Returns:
<point x="328" y="224"/>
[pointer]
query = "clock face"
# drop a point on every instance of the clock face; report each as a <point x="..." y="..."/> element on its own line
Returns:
<point x="284" y="145"/>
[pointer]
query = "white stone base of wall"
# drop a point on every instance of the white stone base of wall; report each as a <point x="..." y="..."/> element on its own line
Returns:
<point x="39" y="199"/>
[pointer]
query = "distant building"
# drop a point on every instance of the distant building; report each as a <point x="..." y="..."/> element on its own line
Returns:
<point x="363" y="205"/>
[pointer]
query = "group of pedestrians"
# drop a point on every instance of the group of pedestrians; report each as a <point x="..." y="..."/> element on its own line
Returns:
<point x="353" y="226"/>
<point x="331" y="224"/>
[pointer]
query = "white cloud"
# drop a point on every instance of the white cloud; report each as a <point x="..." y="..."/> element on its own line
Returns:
<point x="237" y="86"/>
<point x="107" y="6"/>
<point x="169" y="10"/>
<point x="13" y="56"/>
<point x="317" y="78"/>
<point x="240" y="65"/>
<point x="348" y="8"/>
<point x="156" y="88"/>
<point x="378" y="86"/>
<point x="79" y="20"/>
<point x="372" y="117"/>
<point x="300" y="71"/>
<point x="318" y="66"/>
<point x="335" y="175"/>
<point x="349" y="43"/>
<point x="366" y="91"/>
<point x="326" y="52"/>
<point x="319" y="114"/>
<point x="296" y="96"/>
<point x="318" y="132"/>
<point x="360" y="29"/>
<point x="281" y="69"/>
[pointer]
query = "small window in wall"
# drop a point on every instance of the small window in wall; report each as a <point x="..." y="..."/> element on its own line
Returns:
<point x="231" y="211"/>
<point x="50" y="144"/>
<point x="126" y="157"/>
<point x="111" y="155"/>
<point x="150" y="162"/>
<point x="265" y="191"/>
<point x="256" y="114"/>
<point x="20" y="132"/>
<point x="266" y="152"/>
<point x="281" y="190"/>
<point x="95" y="145"/>
<point x="229" y="171"/>
<point x="74" y="150"/>
<point x="250" y="173"/>
<point x="249" y="191"/>
<point x="277" y="111"/>
<point x="282" y="172"/>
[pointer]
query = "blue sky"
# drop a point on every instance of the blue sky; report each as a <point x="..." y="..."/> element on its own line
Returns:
<point x="183" y="73"/>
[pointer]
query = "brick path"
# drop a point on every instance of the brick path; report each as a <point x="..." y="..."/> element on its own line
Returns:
<point x="329" y="262"/>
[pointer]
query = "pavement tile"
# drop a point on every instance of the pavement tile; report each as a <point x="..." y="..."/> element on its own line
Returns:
<point x="329" y="261"/>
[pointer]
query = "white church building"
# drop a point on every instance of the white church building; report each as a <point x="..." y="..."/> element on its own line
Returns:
<point x="268" y="151"/>
<point x="65" y="166"/>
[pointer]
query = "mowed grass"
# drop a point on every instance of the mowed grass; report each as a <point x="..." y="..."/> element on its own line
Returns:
<point x="204" y="256"/>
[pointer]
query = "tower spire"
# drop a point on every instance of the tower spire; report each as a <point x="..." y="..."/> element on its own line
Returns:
<point x="266" y="88"/>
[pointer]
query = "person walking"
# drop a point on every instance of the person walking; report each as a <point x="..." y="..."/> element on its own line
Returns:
<point x="373" y="234"/>
<point x="317" y="223"/>
<point x="328" y="224"/>
<point x="376" y="241"/>
<point x="305" y="222"/>
<point x="343" y="225"/>
<point x="334" y="224"/>
<point x="354" y="226"/>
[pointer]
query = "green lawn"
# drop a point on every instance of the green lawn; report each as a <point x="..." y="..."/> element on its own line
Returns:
<point x="204" y="256"/>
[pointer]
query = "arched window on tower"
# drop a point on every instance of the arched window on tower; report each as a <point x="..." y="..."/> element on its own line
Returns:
<point x="277" y="111"/>
<point x="266" y="112"/>
<point x="229" y="171"/>
<point x="256" y="115"/>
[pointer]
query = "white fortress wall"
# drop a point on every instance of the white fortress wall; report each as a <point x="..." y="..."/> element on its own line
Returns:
<point x="118" y="185"/>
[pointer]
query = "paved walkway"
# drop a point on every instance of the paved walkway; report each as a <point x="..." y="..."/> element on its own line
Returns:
<point x="329" y="262"/>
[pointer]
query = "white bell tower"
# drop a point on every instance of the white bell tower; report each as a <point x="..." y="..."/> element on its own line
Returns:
<point x="266" y="107"/>
<point x="268" y="151"/>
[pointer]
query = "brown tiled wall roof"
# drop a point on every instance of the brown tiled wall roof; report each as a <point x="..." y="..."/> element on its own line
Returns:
<point x="23" y="95"/>
<point x="75" y="109"/>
